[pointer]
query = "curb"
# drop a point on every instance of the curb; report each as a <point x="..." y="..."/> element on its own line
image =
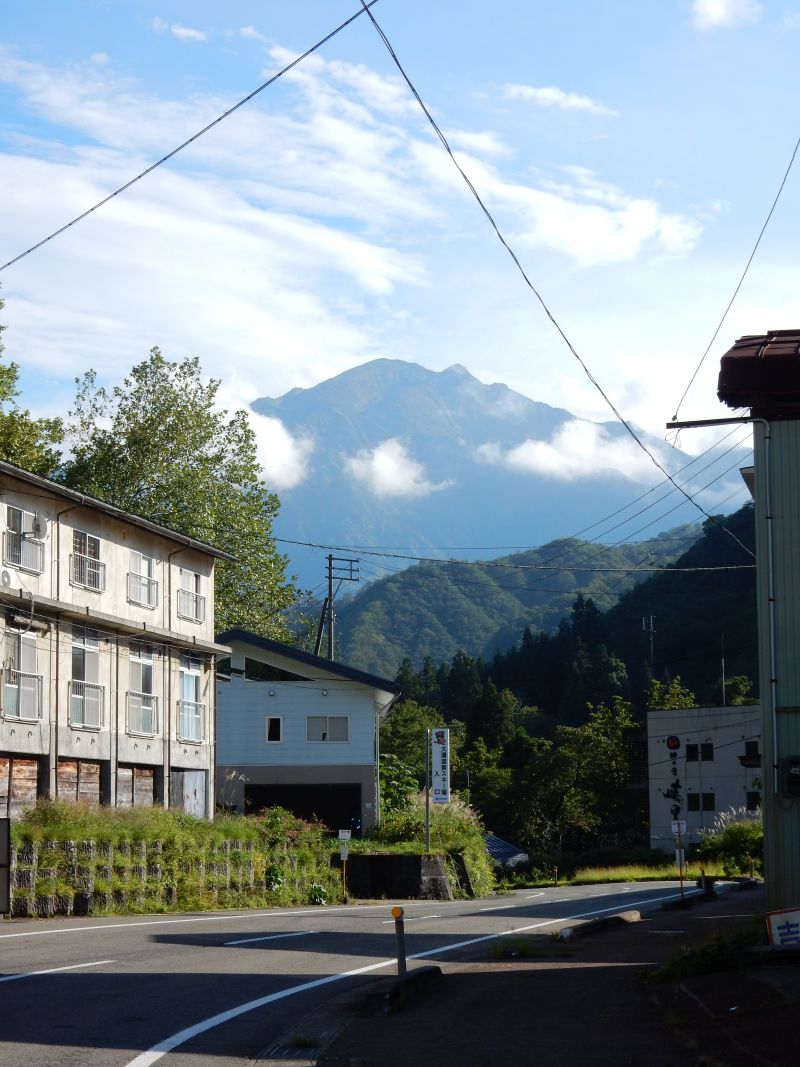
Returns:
<point x="403" y="989"/>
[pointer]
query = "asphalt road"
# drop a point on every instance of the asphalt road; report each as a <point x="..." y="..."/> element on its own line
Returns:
<point x="218" y="987"/>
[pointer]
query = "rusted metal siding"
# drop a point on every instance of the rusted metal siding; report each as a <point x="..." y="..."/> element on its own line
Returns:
<point x="782" y="816"/>
<point x="135" y="787"/>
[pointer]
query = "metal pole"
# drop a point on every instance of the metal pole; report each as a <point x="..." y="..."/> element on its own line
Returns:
<point x="428" y="790"/>
<point x="330" y="606"/>
<point x="400" y="934"/>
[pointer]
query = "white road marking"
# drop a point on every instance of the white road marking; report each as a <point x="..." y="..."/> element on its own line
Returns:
<point x="500" y="907"/>
<point x="154" y="1054"/>
<point x="216" y="917"/>
<point x="54" y="970"/>
<point x="269" y="937"/>
<point x="530" y="896"/>
<point x="413" y="919"/>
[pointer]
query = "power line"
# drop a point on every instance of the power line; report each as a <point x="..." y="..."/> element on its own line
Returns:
<point x="528" y="282"/>
<point x="194" y="137"/>
<point x="741" y="280"/>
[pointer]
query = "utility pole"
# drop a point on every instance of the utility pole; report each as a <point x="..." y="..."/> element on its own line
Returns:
<point x="648" y="625"/>
<point x="723" y="671"/>
<point x="343" y="570"/>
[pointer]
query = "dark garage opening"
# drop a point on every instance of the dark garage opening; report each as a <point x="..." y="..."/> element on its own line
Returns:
<point x="338" y="806"/>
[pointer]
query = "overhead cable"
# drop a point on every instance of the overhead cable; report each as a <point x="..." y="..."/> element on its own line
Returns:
<point x="445" y="144"/>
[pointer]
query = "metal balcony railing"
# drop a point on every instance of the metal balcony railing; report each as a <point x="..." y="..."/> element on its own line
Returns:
<point x="191" y="606"/>
<point x="142" y="590"/>
<point x="20" y="551"/>
<point x="22" y="695"/>
<point x="190" y="720"/>
<point x="87" y="571"/>
<point x="86" y="704"/>
<point x="142" y="713"/>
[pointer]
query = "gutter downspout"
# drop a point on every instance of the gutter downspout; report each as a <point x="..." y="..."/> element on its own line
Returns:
<point x="54" y="717"/>
<point x="168" y="718"/>
<point x="773" y="669"/>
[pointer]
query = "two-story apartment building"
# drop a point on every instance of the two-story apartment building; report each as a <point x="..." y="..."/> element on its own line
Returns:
<point x="107" y="635"/>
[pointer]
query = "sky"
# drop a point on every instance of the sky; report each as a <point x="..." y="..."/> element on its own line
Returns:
<point x="628" y="151"/>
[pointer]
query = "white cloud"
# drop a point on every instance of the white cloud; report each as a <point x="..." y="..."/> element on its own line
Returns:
<point x="390" y="471"/>
<point x="552" y="97"/>
<point x="724" y="14"/>
<point x="250" y="33"/>
<point x="183" y="33"/>
<point x="576" y="450"/>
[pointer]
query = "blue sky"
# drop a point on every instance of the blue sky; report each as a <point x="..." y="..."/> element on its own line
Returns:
<point x="629" y="151"/>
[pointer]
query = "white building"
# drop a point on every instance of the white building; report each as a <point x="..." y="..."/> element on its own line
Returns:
<point x="298" y="731"/>
<point x="107" y="629"/>
<point x="702" y="761"/>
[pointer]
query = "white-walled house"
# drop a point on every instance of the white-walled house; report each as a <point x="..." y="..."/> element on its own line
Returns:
<point x="702" y="761"/>
<point x="107" y="629"/>
<point x="298" y="731"/>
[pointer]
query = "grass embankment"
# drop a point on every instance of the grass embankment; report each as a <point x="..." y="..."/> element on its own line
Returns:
<point x="638" y="873"/>
<point x="83" y="858"/>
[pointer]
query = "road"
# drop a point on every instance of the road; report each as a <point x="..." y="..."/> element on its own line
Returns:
<point x="218" y="987"/>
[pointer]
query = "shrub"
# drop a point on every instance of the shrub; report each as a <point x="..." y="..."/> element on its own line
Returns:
<point x="736" y="840"/>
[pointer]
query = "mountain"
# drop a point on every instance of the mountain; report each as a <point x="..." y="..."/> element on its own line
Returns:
<point x="438" y="609"/>
<point x="424" y="462"/>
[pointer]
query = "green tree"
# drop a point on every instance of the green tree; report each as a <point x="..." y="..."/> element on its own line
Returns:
<point x="737" y="692"/>
<point x="398" y="784"/>
<point x="27" y="442"/>
<point x="404" y="733"/>
<point x="672" y="697"/>
<point x="158" y="446"/>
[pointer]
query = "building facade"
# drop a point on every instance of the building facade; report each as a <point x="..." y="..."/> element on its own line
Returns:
<point x="107" y="686"/>
<point x="702" y="761"/>
<point x="298" y="731"/>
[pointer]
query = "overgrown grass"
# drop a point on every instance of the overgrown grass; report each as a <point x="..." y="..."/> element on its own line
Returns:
<point x="714" y="955"/>
<point x="638" y="873"/>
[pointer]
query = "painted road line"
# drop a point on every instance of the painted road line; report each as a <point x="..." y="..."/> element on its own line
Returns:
<point x="269" y="937"/>
<point x="499" y="907"/>
<point x="169" y="1044"/>
<point x="530" y="896"/>
<point x="269" y="913"/>
<point x="54" y="970"/>
<point x="413" y="919"/>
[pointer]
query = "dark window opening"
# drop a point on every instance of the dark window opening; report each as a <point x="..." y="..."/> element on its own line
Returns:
<point x="753" y="801"/>
<point x="709" y="803"/>
<point x="692" y="753"/>
<point x="692" y="801"/>
<point x="273" y="728"/>
<point x="707" y="751"/>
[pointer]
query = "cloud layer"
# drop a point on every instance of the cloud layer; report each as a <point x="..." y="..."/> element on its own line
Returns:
<point x="388" y="470"/>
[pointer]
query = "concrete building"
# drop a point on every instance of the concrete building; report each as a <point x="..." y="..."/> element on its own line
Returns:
<point x="298" y="731"/>
<point x="702" y="761"/>
<point x="107" y="623"/>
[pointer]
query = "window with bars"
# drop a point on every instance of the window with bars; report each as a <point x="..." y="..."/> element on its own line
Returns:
<point x="87" y="696"/>
<point x="20" y="548"/>
<point x="191" y="602"/>
<point x="142" y="584"/>
<point x="142" y="700"/>
<point x="22" y="685"/>
<point x="86" y="567"/>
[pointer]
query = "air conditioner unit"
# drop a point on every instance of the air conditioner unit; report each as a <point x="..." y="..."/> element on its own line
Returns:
<point x="8" y="578"/>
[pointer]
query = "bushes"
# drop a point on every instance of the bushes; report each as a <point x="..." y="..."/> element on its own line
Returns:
<point x="736" y="840"/>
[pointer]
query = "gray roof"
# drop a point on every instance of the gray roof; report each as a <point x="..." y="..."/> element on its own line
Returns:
<point x="308" y="660"/>
<point x="13" y="471"/>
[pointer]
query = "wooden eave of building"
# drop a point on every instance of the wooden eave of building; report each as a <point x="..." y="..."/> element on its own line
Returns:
<point x="25" y="604"/>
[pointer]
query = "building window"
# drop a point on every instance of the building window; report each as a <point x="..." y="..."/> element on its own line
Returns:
<point x="20" y="547"/>
<point x="708" y="801"/>
<point x="142" y="701"/>
<point x="85" y="567"/>
<point x="191" y="604"/>
<point x="86" y="703"/>
<point x="332" y="728"/>
<point x="751" y="748"/>
<point x="753" y="800"/>
<point x="692" y="801"/>
<point x="707" y="752"/>
<point x="692" y="753"/>
<point x="142" y="584"/>
<point x="191" y="712"/>
<point x="22" y="686"/>
<point x="274" y="729"/>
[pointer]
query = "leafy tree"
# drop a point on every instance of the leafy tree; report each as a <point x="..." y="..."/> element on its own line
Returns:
<point x="671" y="697"/>
<point x="404" y="733"/>
<point x="30" y="443"/>
<point x="158" y="446"/>
<point x="737" y="692"/>
<point x="398" y="783"/>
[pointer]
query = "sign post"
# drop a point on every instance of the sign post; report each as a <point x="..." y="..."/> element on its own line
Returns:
<point x="679" y="829"/>
<point x="344" y="852"/>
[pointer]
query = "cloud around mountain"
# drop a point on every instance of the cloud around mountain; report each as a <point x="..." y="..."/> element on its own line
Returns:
<point x="390" y="470"/>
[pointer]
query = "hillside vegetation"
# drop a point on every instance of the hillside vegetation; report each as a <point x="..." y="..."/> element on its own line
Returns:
<point x="437" y="609"/>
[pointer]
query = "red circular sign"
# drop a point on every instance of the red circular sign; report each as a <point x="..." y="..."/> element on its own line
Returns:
<point x="673" y="742"/>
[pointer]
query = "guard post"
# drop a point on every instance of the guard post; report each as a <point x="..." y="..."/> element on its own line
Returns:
<point x="400" y="934"/>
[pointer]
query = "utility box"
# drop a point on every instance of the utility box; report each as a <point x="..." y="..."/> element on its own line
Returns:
<point x="789" y="777"/>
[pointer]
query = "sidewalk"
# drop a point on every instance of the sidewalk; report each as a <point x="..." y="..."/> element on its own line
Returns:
<point x="584" y="1001"/>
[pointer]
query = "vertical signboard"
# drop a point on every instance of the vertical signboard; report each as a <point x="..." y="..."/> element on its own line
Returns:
<point x="5" y="866"/>
<point x="440" y="765"/>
